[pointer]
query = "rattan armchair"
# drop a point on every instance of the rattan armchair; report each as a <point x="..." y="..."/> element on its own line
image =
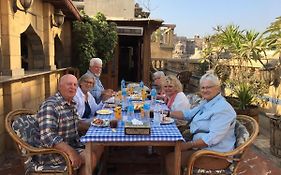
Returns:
<point x="25" y="120"/>
<point x="246" y="130"/>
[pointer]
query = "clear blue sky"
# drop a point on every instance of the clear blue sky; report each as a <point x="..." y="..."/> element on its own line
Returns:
<point x="193" y="17"/>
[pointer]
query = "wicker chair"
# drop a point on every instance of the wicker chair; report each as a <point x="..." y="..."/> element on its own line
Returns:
<point x="246" y="130"/>
<point x="23" y="129"/>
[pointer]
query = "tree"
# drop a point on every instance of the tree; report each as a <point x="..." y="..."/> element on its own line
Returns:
<point x="232" y="46"/>
<point x="93" y="37"/>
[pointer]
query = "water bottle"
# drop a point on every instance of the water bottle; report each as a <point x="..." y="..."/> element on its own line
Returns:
<point x="123" y="84"/>
<point x="156" y="116"/>
<point x="146" y="110"/>
<point x="130" y="110"/>
<point x="124" y="99"/>
<point x="141" y="85"/>
<point x="153" y="94"/>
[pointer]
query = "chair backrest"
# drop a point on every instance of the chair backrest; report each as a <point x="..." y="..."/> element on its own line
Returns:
<point x="23" y="128"/>
<point x="246" y="130"/>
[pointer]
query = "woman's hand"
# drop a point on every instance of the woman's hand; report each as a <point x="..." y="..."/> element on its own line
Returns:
<point x="186" y="146"/>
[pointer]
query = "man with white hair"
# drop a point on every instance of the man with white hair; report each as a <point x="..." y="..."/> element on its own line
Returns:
<point x="98" y="91"/>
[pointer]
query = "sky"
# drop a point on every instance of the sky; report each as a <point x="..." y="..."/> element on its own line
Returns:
<point x="199" y="17"/>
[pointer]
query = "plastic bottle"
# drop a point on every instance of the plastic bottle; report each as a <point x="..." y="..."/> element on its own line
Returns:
<point x="146" y="109"/>
<point x="156" y="116"/>
<point x="124" y="99"/>
<point x="153" y="94"/>
<point x="140" y="87"/>
<point x="130" y="110"/>
<point x="123" y="84"/>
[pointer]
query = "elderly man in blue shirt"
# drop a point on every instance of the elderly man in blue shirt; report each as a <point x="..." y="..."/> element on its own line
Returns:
<point x="212" y="125"/>
<point x="98" y="91"/>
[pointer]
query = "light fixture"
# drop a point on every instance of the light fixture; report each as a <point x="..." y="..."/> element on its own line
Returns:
<point x="24" y="3"/>
<point x="57" y="18"/>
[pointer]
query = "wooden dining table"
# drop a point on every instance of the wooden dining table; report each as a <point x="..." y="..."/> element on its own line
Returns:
<point x="163" y="135"/>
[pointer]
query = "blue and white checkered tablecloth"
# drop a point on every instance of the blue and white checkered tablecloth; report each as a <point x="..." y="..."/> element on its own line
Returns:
<point x="167" y="132"/>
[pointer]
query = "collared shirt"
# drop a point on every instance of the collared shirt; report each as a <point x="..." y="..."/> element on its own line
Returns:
<point x="181" y="102"/>
<point x="214" y="123"/>
<point x="58" y="122"/>
<point x="98" y="87"/>
<point x="80" y="103"/>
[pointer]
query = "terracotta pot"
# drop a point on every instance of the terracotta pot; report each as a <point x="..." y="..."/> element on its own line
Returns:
<point x="253" y="111"/>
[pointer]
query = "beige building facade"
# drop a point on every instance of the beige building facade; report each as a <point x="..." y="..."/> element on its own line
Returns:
<point x="34" y="51"/>
<point x="132" y="55"/>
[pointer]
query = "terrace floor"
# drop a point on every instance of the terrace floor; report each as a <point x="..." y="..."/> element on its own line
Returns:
<point x="136" y="161"/>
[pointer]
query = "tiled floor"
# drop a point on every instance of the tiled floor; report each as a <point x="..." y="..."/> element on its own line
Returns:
<point x="139" y="162"/>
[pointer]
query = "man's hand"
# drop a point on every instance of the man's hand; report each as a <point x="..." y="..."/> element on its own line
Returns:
<point x="74" y="157"/>
<point x="106" y="94"/>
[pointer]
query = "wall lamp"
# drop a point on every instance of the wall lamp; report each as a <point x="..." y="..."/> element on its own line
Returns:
<point x="57" y="19"/>
<point x="24" y="3"/>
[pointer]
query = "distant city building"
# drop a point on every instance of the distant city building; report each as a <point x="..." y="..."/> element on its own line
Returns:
<point x="191" y="46"/>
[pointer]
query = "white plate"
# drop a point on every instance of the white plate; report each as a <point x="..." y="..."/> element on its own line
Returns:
<point x="104" y="123"/>
<point x="104" y="111"/>
<point x="168" y="120"/>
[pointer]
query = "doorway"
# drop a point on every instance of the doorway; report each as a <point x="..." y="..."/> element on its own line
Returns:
<point x="129" y="59"/>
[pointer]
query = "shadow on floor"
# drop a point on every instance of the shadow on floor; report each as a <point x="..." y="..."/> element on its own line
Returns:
<point x="137" y="161"/>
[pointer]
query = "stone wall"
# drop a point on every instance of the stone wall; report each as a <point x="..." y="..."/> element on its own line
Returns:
<point x="110" y="8"/>
<point x="27" y="91"/>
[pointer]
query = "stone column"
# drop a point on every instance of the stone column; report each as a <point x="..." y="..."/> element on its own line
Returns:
<point x="10" y="43"/>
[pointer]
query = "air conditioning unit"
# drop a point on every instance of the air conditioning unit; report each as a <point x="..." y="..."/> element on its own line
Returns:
<point x="132" y="31"/>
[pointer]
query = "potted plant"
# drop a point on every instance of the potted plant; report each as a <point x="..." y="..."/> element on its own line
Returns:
<point x="234" y="52"/>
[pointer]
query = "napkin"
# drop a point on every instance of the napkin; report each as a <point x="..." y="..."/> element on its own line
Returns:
<point x="137" y="122"/>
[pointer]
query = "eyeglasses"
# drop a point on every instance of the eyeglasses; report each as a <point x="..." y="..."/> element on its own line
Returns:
<point x="98" y="67"/>
<point x="207" y="87"/>
<point x="89" y="82"/>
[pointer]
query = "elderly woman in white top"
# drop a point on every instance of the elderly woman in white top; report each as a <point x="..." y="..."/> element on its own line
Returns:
<point x="176" y="99"/>
<point x="85" y="102"/>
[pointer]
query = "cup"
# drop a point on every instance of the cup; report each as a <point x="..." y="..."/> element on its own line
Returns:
<point x="117" y="113"/>
<point x="113" y="123"/>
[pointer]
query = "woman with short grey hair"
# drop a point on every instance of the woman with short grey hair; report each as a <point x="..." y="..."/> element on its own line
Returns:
<point x="211" y="77"/>
<point x="85" y="103"/>
<point x="212" y="125"/>
<point x="158" y="77"/>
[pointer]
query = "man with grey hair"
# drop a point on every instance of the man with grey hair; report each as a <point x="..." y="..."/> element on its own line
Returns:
<point x="98" y="91"/>
<point x="58" y="126"/>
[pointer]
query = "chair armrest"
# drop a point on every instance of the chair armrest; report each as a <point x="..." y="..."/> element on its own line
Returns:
<point x="36" y="151"/>
<point x="208" y="153"/>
